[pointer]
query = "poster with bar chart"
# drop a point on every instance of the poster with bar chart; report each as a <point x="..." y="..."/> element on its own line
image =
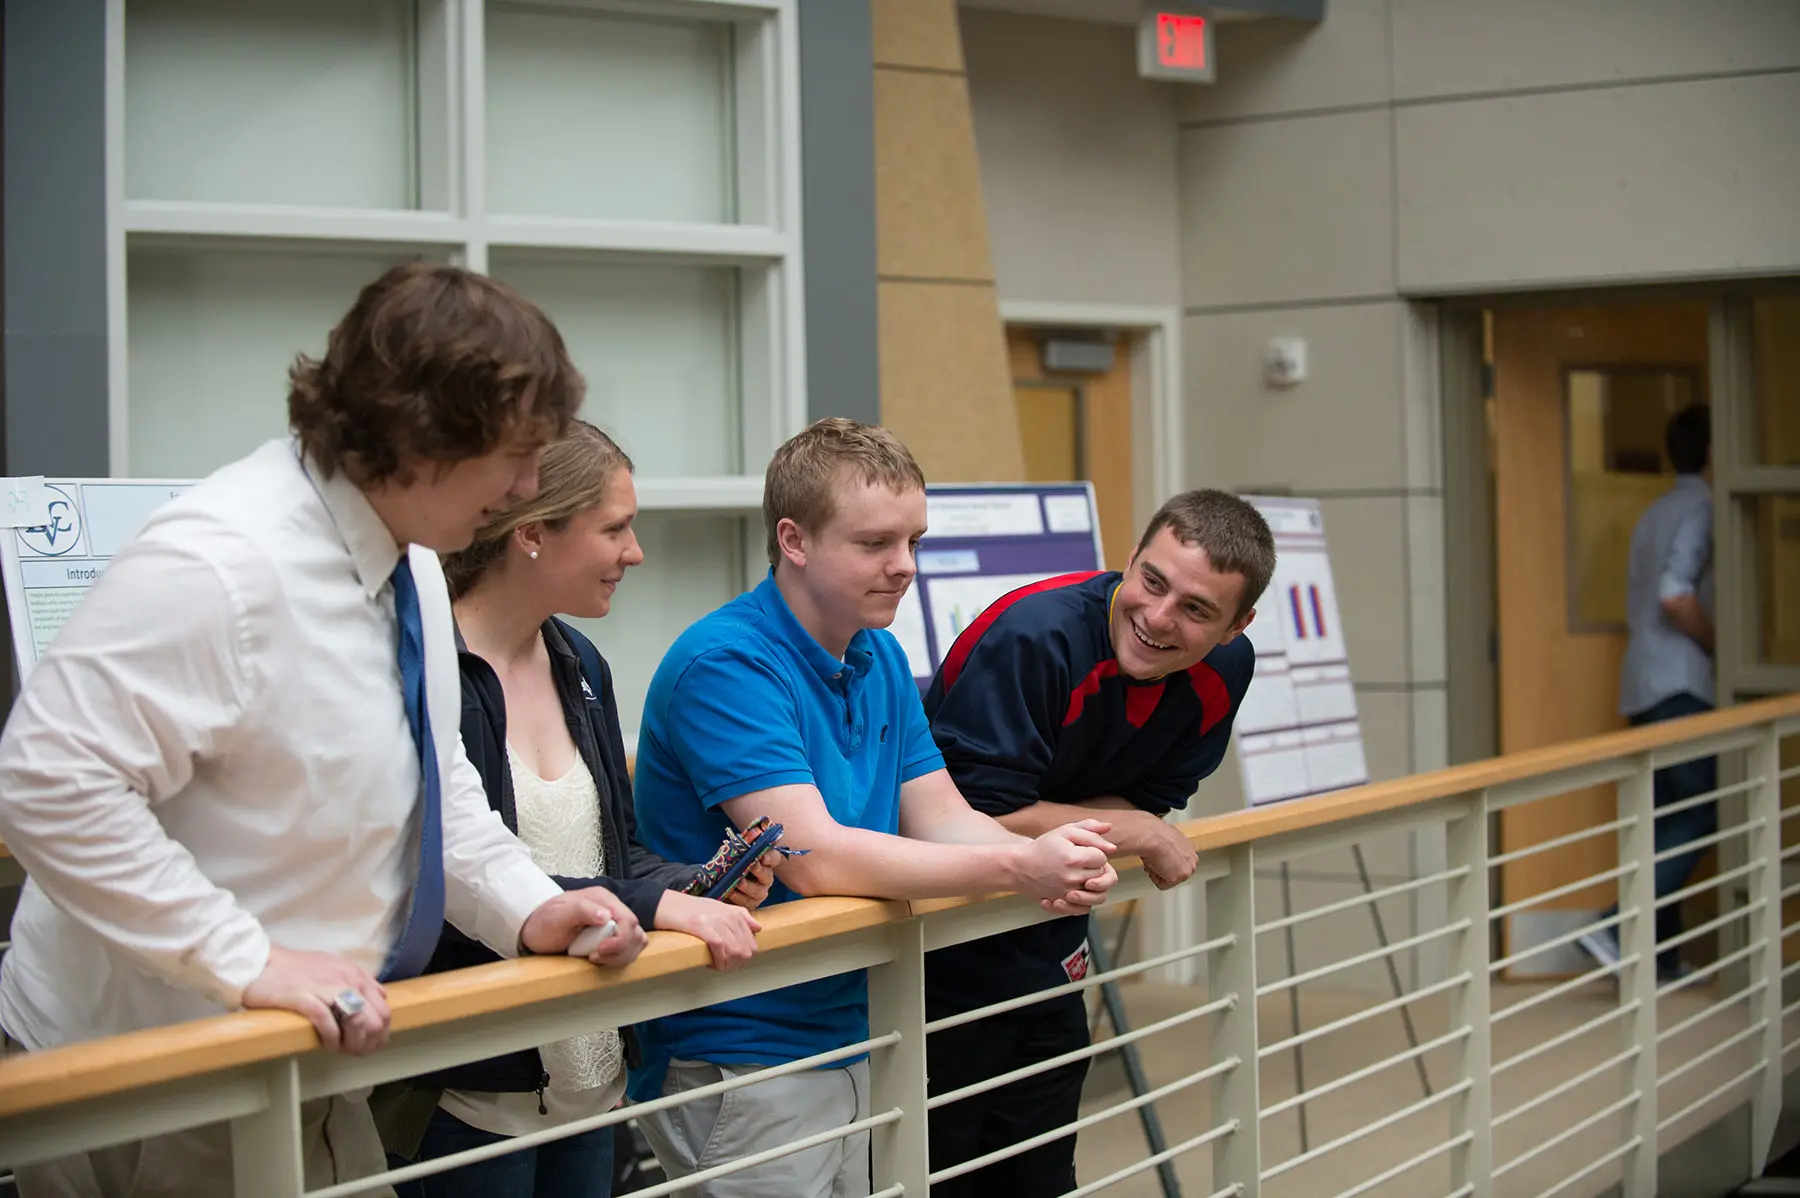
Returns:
<point x="1298" y="732"/>
<point x="985" y="541"/>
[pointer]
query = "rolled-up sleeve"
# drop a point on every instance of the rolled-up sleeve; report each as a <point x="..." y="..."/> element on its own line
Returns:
<point x="139" y="685"/>
<point x="1689" y="551"/>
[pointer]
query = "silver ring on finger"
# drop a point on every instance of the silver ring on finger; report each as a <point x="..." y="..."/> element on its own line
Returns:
<point x="347" y="1005"/>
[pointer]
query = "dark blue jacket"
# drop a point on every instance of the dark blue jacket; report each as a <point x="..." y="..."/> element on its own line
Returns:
<point x="1029" y="705"/>
<point x="584" y="684"/>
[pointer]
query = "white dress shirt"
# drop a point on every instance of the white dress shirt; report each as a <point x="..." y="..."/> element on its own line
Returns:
<point x="213" y="756"/>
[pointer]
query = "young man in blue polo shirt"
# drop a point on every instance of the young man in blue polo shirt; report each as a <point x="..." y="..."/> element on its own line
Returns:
<point x="794" y="702"/>
<point x="1105" y="695"/>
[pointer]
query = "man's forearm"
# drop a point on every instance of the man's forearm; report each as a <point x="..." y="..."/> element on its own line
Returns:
<point x="855" y="862"/>
<point x="1042" y="817"/>
<point x="1690" y="619"/>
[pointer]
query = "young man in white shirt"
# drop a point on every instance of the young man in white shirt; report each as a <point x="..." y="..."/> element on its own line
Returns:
<point x="236" y="780"/>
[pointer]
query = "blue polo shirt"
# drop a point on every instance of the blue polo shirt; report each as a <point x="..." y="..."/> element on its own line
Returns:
<point x="744" y="701"/>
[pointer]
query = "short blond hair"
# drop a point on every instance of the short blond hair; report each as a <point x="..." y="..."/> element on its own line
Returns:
<point x="573" y="475"/>
<point x="799" y="483"/>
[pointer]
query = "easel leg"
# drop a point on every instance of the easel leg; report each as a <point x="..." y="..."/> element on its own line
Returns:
<point x="1293" y="993"/>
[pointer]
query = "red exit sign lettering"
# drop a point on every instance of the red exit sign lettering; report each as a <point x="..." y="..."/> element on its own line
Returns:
<point x="1176" y="46"/>
<point x="1181" y="41"/>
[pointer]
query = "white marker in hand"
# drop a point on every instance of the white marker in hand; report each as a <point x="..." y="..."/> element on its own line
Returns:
<point x="591" y="938"/>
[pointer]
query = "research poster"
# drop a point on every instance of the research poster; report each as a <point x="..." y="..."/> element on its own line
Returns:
<point x="1297" y="732"/>
<point x="56" y="537"/>
<point x="986" y="541"/>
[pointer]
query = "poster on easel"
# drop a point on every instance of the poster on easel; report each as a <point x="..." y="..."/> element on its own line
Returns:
<point x="57" y="536"/>
<point x="1298" y="732"/>
<point x="986" y="540"/>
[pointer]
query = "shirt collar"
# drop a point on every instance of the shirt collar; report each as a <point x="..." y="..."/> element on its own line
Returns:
<point x="769" y="599"/>
<point x="1689" y="482"/>
<point x="372" y="548"/>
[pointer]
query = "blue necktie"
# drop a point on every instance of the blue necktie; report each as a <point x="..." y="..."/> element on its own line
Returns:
<point x="418" y="940"/>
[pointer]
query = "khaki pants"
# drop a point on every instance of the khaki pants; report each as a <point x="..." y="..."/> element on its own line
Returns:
<point x="337" y="1142"/>
<point x="727" y="1127"/>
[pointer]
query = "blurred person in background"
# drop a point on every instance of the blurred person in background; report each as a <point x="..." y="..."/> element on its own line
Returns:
<point x="1668" y="668"/>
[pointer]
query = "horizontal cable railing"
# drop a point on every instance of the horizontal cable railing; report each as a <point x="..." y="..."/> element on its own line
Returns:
<point x="1476" y="1050"/>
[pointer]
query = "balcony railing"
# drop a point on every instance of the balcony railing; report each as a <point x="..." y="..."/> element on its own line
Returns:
<point x="1502" y="1083"/>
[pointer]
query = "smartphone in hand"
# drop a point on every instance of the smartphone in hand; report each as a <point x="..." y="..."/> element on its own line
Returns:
<point x="592" y="937"/>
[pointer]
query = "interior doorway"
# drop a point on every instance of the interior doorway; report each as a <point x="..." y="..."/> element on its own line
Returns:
<point x="1580" y="396"/>
<point x="1075" y="424"/>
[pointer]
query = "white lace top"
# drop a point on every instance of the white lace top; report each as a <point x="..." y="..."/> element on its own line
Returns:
<point x="560" y="823"/>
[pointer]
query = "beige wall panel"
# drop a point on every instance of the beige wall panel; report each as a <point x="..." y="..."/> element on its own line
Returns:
<point x="1288" y="210"/>
<point x="1455" y="47"/>
<point x="1421" y="396"/>
<point x="1077" y="161"/>
<point x="1387" y="744"/>
<point x="1339" y="430"/>
<point x="1431" y="731"/>
<point x="1368" y="566"/>
<point x="1287" y="66"/>
<point x="929" y="221"/>
<point x="1633" y="183"/>
<point x="944" y="388"/>
<point x="1425" y="577"/>
<point x="1223" y="792"/>
<point x="915" y="33"/>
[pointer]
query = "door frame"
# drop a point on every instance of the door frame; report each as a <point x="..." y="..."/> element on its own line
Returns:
<point x="1156" y="422"/>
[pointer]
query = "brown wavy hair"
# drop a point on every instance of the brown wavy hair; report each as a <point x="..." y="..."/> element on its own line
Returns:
<point x="573" y="475"/>
<point x="432" y="364"/>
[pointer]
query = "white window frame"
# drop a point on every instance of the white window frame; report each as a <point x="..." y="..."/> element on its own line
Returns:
<point x="764" y="243"/>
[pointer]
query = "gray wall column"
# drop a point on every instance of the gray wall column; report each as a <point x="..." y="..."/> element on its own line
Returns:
<point x="55" y="237"/>
<point x="837" y="152"/>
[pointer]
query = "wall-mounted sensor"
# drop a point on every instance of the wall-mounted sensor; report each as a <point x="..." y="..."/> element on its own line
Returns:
<point x="1284" y="362"/>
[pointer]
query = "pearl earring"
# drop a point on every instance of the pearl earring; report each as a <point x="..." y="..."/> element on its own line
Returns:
<point x="534" y="555"/>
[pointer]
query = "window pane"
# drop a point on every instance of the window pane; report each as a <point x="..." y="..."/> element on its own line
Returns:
<point x="1775" y="321"/>
<point x="212" y="334"/>
<point x="1777" y="522"/>
<point x="692" y="564"/>
<point x="269" y="101"/>
<point x="599" y="115"/>
<point x="658" y="347"/>
<point x="1617" y="468"/>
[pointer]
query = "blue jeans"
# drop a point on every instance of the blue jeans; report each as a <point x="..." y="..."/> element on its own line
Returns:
<point x="580" y="1166"/>
<point x="1673" y="784"/>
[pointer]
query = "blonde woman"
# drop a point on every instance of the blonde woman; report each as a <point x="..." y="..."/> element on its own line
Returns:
<point x="540" y="724"/>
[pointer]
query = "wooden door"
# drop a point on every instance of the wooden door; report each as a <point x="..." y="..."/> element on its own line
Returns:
<point x="1081" y="424"/>
<point x="1559" y="649"/>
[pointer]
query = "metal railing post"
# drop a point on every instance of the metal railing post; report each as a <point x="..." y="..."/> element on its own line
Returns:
<point x="267" y="1160"/>
<point x="901" y="1151"/>
<point x="1764" y="849"/>
<point x="1637" y="981"/>
<point x="1466" y="845"/>
<point x="1231" y="911"/>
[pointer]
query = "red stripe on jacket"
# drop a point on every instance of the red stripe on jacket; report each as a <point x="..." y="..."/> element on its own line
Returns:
<point x="965" y="644"/>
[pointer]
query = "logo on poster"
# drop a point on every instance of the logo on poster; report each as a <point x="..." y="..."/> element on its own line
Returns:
<point x="58" y="535"/>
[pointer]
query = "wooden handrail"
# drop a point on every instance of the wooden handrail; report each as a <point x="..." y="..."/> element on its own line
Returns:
<point x="33" y="1081"/>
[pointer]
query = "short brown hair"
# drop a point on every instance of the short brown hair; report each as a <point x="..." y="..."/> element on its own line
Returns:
<point x="798" y="484"/>
<point x="435" y="364"/>
<point x="1233" y="533"/>
<point x="573" y="475"/>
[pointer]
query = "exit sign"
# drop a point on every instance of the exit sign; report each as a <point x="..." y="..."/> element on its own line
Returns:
<point x="1176" y="46"/>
